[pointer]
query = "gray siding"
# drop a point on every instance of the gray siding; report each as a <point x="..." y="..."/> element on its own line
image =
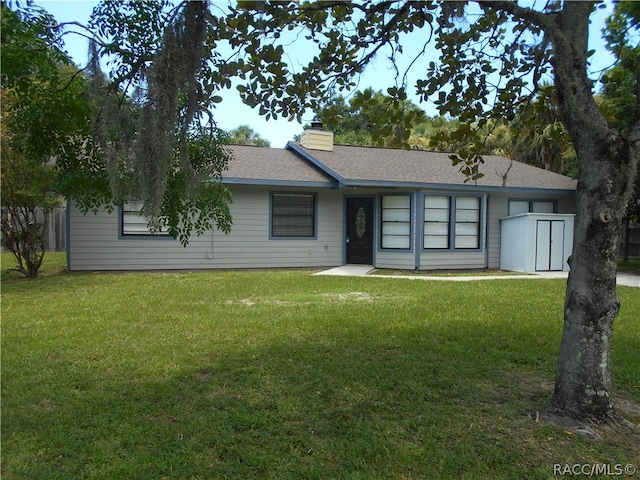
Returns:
<point x="95" y="245"/>
<point x="452" y="260"/>
<point x="497" y="210"/>
<point x="399" y="260"/>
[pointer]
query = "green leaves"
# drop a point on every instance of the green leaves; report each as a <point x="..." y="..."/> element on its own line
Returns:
<point x="44" y="112"/>
<point x="620" y="82"/>
<point x="194" y="207"/>
<point x="372" y="118"/>
<point x="130" y="34"/>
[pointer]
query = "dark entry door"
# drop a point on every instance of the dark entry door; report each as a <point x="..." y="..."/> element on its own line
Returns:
<point x="360" y="230"/>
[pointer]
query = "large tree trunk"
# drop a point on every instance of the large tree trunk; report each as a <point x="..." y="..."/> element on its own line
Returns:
<point x="583" y="380"/>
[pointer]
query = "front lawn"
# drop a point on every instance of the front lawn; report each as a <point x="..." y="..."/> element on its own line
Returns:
<point x="630" y="266"/>
<point x="257" y="375"/>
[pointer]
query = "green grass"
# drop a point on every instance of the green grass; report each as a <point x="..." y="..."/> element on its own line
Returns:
<point x="630" y="266"/>
<point x="254" y="375"/>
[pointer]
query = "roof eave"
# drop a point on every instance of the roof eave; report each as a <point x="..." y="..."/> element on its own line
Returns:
<point x="455" y="187"/>
<point x="277" y="183"/>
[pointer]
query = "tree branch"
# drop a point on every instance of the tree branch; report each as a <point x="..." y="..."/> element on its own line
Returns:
<point x="539" y="19"/>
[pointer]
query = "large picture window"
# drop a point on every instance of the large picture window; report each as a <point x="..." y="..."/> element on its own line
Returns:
<point x="133" y="223"/>
<point x="293" y="215"/>
<point x="396" y="222"/>
<point x="451" y="222"/>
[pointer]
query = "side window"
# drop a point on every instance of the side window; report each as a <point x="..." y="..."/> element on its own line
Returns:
<point x="293" y="215"/>
<point x="518" y="207"/>
<point x="133" y="223"/>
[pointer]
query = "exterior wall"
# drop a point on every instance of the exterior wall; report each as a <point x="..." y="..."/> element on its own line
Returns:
<point x="452" y="261"/>
<point x="498" y="205"/>
<point x="95" y="243"/>
<point x="395" y="260"/>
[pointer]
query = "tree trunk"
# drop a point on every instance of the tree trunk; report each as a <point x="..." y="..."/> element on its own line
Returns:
<point x="583" y="380"/>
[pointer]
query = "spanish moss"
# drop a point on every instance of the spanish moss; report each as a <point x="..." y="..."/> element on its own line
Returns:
<point x="172" y="105"/>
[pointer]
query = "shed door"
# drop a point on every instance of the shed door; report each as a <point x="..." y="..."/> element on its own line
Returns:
<point x="549" y="245"/>
<point x="360" y="230"/>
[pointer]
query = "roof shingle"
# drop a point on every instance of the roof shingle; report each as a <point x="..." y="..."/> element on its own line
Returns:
<point x="370" y="166"/>
<point x="271" y="165"/>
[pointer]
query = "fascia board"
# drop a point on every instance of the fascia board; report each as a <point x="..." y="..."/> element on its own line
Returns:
<point x="278" y="183"/>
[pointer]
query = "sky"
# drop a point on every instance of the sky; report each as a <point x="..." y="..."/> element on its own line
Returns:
<point x="231" y="112"/>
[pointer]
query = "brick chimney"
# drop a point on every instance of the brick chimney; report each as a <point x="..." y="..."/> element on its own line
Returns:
<point x="315" y="138"/>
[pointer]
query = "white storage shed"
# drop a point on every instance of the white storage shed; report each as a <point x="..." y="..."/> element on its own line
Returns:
<point x="536" y="242"/>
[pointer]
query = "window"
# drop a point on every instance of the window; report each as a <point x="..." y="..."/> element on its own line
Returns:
<point x="518" y="207"/>
<point x="293" y="215"/>
<point x="396" y="222"/>
<point x="451" y="217"/>
<point x="467" y="230"/>
<point x="135" y="224"/>
<point x="436" y="222"/>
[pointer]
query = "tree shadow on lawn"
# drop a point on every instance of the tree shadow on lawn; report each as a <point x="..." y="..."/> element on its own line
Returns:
<point x="406" y="405"/>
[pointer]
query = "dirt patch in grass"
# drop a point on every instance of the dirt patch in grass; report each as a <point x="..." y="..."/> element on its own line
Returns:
<point x="628" y="407"/>
<point x="350" y="296"/>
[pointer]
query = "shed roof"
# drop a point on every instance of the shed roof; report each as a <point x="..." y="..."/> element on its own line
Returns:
<point x="381" y="167"/>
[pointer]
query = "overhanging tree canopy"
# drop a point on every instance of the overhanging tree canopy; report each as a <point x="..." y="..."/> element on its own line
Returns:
<point x="492" y="58"/>
<point x="44" y="113"/>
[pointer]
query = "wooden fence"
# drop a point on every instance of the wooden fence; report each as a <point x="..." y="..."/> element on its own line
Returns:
<point x="56" y="233"/>
<point x="57" y="230"/>
<point x="633" y="241"/>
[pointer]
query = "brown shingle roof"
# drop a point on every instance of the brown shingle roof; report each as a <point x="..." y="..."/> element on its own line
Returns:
<point x="370" y="166"/>
<point x="259" y="164"/>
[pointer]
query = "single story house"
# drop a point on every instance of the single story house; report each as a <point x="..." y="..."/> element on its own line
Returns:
<point x="316" y="204"/>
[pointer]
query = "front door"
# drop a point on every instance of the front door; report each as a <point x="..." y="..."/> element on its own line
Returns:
<point x="360" y="230"/>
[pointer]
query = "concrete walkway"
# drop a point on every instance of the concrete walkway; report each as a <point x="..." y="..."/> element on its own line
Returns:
<point x="363" y="270"/>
